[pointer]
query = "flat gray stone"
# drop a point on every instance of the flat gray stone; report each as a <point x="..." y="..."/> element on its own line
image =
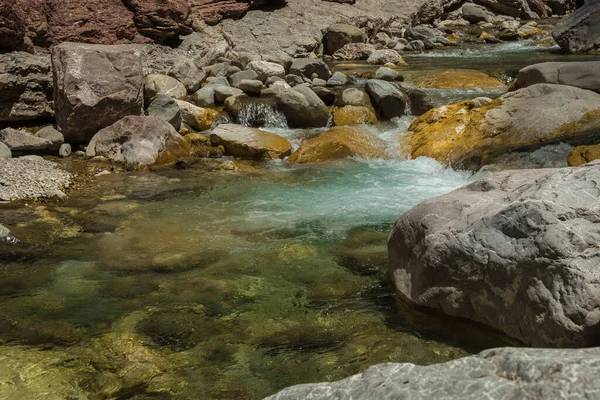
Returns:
<point x="499" y="374"/>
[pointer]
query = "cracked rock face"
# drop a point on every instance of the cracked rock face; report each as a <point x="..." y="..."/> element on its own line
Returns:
<point x="517" y="251"/>
<point x="506" y="373"/>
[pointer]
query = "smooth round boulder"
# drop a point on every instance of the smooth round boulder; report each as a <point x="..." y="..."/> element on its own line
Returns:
<point x="250" y="143"/>
<point x="581" y="74"/>
<point x="139" y="141"/>
<point x="23" y="141"/>
<point x="198" y="118"/>
<point x="338" y="143"/>
<point x="55" y="138"/>
<point x="166" y="108"/>
<point x="265" y="69"/>
<point x="309" y="66"/>
<point x="338" y="79"/>
<point x="386" y="74"/>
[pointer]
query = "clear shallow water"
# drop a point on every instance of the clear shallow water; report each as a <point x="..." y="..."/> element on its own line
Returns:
<point x="239" y="283"/>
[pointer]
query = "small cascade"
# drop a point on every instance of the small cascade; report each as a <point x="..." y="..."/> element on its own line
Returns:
<point x="258" y="115"/>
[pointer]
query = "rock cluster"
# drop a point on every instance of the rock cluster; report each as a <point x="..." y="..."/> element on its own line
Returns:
<point x="30" y="177"/>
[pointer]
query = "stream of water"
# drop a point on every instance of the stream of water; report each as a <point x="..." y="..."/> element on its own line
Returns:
<point x="243" y="277"/>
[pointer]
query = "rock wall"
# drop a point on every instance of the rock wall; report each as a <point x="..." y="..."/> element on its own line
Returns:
<point x="25" y="24"/>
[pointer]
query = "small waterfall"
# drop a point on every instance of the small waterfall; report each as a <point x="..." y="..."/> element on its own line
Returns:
<point x="258" y="115"/>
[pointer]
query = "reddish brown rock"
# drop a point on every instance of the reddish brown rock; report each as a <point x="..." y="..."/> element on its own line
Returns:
<point x="213" y="11"/>
<point x="12" y="26"/>
<point x="160" y="19"/>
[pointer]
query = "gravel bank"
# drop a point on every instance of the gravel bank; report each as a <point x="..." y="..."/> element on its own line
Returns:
<point x="30" y="177"/>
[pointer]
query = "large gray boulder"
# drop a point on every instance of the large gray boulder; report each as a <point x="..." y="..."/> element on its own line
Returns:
<point x="580" y="31"/>
<point x="94" y="87"/>
<point x="469" y="135"/>
<point x="517" y="251"/>
<point x="501" y="374"/>
<point x="25" y="87"/>
<point x="54" y="137"/>
<point x="339" y="35"/>
<point x="300" y="105"/>
<point x="582" y="74"/>
<point x="205" y="97"/>
<point x="475" y="14"/>
<point x="390" y="100"/>
<point x="138" y="141"/>
<point x="265" y="69"/>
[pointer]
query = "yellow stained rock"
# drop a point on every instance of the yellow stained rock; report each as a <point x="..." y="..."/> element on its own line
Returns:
<point x="175" y="149"/>
<point x="584" y="154"/>
<point x="337" y="143"/>
<point x="353" y="115"/>
<point x="456" y="79"/>
<point x="449" y="132"/>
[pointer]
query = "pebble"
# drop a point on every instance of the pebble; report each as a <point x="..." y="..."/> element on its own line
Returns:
<point x="30" y="177"/>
